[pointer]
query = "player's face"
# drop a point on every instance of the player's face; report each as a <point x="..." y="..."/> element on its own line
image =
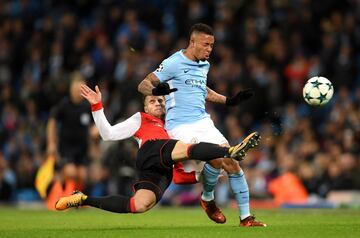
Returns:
<point x="203" y="45"/>
<point x="155" y="106"/>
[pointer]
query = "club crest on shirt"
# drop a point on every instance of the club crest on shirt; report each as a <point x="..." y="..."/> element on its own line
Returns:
<point x="85" y="119"/>
<point x="155" y="123"/>
<point x="158" y="124"/>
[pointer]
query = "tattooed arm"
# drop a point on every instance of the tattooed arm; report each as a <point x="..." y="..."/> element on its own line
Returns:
<point x="215" y="97"/>
<point x="148" y="84"/>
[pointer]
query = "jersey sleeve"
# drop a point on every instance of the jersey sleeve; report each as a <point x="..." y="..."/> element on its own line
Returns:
<point x="119" y="131"/>
<point x="166" y="70"/>
<point x="182" y="177"/>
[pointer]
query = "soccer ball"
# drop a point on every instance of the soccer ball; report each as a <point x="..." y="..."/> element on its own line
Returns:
<point x="318" y="91"/>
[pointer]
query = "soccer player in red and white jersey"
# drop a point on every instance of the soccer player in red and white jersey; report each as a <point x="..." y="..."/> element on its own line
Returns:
<point x="156" y="156"/>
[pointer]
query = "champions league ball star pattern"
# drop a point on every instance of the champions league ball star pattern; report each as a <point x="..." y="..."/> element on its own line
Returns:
<point x="318" y="91"/>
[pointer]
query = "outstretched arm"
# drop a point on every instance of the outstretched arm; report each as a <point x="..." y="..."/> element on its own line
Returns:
<point x="120" y="131"/>
<point x="215" y="97"/>
<point x="229" y="101"/>
<point x="93" y="97"/>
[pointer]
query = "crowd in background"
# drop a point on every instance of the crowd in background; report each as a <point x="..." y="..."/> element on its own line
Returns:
<point x="270" y="46"/>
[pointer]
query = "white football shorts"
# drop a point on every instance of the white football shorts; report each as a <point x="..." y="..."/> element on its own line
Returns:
<point x="203" y="130"/>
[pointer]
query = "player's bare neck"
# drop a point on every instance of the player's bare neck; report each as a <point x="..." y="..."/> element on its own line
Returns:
<point x="190" y="56"/>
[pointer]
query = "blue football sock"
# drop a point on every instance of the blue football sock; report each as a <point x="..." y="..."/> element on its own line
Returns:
<point x="210" y="178"/>
<point x="240" y="189"/>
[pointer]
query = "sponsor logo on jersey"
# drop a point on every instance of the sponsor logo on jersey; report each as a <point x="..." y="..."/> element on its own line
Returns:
<point x="196" y="83"/>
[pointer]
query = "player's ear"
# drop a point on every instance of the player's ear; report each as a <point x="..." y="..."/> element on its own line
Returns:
<point x="145" y="103"/>
<point x="192" y="40"/>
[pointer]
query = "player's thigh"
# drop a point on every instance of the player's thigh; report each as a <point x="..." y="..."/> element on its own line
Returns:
<point x="201" y="131"/>
<point x="155" y="180"/>
<point x="144" y="200"/>
<point x="151" y="155"/>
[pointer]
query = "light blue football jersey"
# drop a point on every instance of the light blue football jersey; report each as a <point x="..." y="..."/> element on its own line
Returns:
<point x="187" y="105"/>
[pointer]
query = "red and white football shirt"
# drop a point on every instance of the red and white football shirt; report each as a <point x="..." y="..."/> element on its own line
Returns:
<point x="142" y="127"/>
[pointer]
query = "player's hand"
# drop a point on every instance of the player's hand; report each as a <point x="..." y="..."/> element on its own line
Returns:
<point x="240" y="97"/>
<point x="163" y="89"/>
<point x="92" y="96"/>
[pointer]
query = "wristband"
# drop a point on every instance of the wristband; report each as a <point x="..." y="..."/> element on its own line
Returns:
<point x="96" y="106"/>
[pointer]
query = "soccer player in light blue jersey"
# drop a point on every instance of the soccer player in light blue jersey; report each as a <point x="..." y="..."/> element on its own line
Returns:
<point x="182" y="78"/>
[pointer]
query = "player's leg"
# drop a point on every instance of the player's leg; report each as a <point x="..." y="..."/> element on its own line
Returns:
<point x="193" y="133"/>
<point x="239" y="186"/>
<point x="210" y="175"/>
<point x="211" y="172"/>
<point x="237" y="178"/>
<point x="142" y="201"/>
<point x="71" y="158"/>
<point x="208" y="151"/>
<point x="148" y="192"/>
<point x="240" y="189"/>
<point x="202" y="151"/>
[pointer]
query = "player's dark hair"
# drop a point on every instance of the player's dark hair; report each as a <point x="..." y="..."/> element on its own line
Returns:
<point x="201" y="28"/>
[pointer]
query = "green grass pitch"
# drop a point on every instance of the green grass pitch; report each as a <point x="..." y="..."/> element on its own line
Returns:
<point x="177" y="222"/>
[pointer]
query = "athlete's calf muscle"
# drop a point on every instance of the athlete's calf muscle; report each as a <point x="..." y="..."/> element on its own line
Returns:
<point x="230" y="166"/>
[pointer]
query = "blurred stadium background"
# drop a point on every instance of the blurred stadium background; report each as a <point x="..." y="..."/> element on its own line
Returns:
<point x="308" y="156"/>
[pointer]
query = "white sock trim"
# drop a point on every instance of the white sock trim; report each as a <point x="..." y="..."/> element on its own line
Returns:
<point x="207" y="198"/>
<point x="242" y="217"/>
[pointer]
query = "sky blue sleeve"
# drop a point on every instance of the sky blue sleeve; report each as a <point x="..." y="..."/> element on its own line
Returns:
<point x="166" y="70"/>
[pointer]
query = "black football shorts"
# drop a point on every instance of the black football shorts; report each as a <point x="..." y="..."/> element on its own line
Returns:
<point x="155" y="166"/>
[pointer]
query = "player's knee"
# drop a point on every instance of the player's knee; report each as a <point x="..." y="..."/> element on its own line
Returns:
<point x="231" y="166"/>
<point x="143" y="205"/>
